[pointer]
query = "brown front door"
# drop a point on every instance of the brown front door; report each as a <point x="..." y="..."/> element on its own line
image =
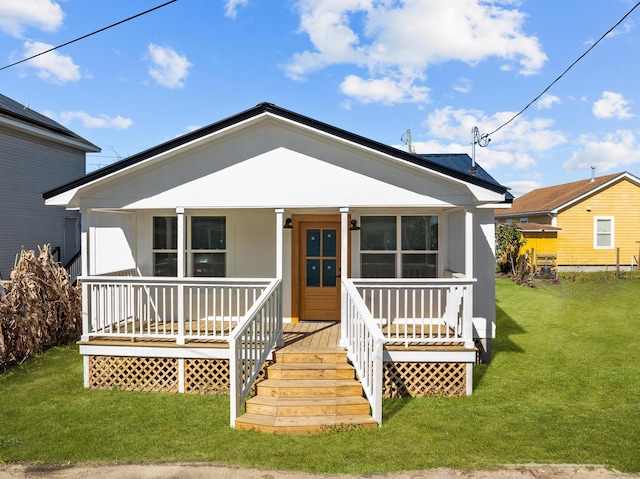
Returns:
<point x="318" y="265"/>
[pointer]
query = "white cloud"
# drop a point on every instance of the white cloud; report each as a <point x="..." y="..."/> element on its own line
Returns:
<point x="615" y="151"/>
<point x="612" y="105"/>
<point x="231" y="9"/>
<point x="463" y="85"/>
<point x="88" y="121"/>
<point x="51" y="66"/>
<point x="517" y="146"/>
<point x="520" y="187"/>
<point x="403" y="39"/>
<point x="17" y="15"/>
<point x="383" y="90"/>
<point x="547" y="101"/>
<point x="169" y="68"/>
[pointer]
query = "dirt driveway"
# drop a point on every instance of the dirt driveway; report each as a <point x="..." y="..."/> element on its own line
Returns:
<point x="207" y="471"/>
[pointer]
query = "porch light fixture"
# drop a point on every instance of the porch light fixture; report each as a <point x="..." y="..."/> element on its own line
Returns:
<point x="287" y="224"/>
<point x="354" y="225"/>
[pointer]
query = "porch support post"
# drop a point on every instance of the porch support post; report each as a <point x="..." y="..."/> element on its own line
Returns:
<point x="84" y="258"/>
<point x="279" y="269"/>
<point x="180" y="273"/>
<point x="344" y="270"/>
<point x="468" y="242"/>
<point x="468" y="271"/>
<point x="279" y="242"/>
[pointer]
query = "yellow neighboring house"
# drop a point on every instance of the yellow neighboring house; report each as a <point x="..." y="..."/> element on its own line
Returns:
<point x="591" y="224"/>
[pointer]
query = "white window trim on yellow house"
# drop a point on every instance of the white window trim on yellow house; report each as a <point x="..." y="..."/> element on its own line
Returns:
<point x="597" y="234"/>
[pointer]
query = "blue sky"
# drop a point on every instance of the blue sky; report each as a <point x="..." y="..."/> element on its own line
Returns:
<point x="373" y="67"/>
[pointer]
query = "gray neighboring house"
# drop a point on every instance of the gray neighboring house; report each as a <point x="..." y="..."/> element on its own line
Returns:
<point x="36" y="154"/>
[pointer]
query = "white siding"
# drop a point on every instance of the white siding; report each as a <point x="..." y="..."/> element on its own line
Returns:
<point x="29" y="166"/>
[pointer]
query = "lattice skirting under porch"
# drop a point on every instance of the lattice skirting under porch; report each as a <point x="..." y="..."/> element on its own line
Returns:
<point x="402" y="379"/>
<point x="199" y="376"/>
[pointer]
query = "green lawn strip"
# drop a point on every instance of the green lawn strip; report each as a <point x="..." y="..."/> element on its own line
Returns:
<point x="563" y="387"/>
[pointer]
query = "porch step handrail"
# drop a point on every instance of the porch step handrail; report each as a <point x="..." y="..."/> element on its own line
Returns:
<point x="251" y="343"/>
<point x="364" y="341"/>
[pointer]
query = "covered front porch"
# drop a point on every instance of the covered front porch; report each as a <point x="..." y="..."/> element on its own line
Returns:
<point x="205" y="335"/>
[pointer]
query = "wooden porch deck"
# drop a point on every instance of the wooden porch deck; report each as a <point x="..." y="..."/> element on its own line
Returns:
<point x="302" y="335"/>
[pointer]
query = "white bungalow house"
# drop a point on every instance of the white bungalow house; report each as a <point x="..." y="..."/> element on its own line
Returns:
<point x="205" y="258"/>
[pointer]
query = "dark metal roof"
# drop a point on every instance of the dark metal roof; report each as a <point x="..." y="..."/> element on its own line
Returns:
<point x="463" y="163"/>
<point x="14" y="110"/>
<point x="421" y="160"/>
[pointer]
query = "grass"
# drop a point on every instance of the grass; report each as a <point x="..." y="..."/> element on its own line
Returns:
<point x="563" y="387"/>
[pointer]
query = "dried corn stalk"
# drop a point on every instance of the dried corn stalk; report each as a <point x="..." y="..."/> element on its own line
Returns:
<point x="40" y="308"/>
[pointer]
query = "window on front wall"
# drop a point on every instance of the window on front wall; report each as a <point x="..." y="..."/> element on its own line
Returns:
<point x="165" y="246"/>
<point x="603" y="232"/>
<point x="206" y="251"/>
<point x="208" y="245"/>
<point x="399" y="246"/>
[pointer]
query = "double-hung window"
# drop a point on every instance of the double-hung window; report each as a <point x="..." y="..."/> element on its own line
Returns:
<point x="603" y="232"/>
<point x="399" y="246"/>
<point x="207" y="246"/>
<point x="165" y="246"/>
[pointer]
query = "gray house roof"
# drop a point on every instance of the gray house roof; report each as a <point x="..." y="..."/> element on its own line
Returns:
<point x="454" y="165"/>
<point x="11" y="110"/>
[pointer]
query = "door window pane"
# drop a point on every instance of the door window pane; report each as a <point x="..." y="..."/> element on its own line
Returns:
<point x="313" y="272"/>
<point x="165" y="232"/>
<point x="419" y="265"/>
<point x="313" y="242"/>
<point x="329" y="272"/>
<point x="377" y="233"/>
<point x="378" y="265"/>
<point x="328" y="242"/>
<point x="209" y="264"/>
<point x="208" y="232"/>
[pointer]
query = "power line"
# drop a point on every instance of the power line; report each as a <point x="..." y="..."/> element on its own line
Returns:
<point x="88" y="35"/>
<point x="563" y="73"/>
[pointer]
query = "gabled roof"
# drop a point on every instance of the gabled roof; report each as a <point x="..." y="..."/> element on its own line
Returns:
<point x="425" y="161"/>
<point x="555" y="198"/>
<point x="15" y="112"/>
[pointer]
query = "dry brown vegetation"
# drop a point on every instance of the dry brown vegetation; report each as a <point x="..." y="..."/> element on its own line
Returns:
<point x="39" y="308"/>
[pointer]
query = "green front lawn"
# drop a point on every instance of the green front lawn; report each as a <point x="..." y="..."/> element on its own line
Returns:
<point x="563" y="387"/>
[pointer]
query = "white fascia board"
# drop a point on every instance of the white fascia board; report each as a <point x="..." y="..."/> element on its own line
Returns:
<point x="63" y="199"/>
<point x="49" y="135"/>
<point x="494" y="206"/>
<point x="383" y="155"/>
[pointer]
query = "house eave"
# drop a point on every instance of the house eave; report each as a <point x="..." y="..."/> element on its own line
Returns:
<point x="49" y="134"/>
<point x="261" y="111"/>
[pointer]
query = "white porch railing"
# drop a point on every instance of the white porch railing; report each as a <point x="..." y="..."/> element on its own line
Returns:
<point x="171" y="308"/>
<point x="429" y="311"/>
<point x="364" y="346"/>
<point x="251" y="342"/>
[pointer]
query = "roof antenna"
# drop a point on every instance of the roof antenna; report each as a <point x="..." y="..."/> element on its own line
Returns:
<point x="406" y="139"/>
<point x="477" y="139"/>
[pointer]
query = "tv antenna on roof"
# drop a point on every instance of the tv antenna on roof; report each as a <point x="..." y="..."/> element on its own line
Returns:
<point x="477" y="139"/>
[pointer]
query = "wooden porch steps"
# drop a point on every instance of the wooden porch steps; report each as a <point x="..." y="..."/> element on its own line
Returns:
<point x="307" y="391"/>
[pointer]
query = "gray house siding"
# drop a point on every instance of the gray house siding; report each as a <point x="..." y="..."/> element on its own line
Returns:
<point x="30" y="165"/>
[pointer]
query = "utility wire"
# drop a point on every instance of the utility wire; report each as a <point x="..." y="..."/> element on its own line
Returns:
<point x="564" y="72"/>
<point x="88" y="35"/>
